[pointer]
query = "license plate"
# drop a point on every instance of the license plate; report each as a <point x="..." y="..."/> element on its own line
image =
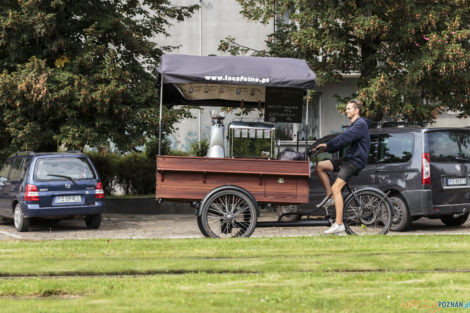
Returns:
<point x="456" y="181"/>
<point x="68" y="199"/>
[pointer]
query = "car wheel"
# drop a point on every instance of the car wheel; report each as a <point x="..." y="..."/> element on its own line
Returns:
<point x="283" y="209"/>
<point x="450" y="220"/>
<point x="20" y="221"/>
<point x="93" y="221"/>
<point x="401" y="216"/>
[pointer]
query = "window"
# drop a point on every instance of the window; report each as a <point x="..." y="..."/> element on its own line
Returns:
<point x="312" y="112"/>
<point x="5" y="169"/>
<point x="290" y="131"/>
<point x="63" y="169"/>
<point x="15" y="174"/>
<point x="374" y="147"/>
<point x="24" y="168"/>
<point x="396" y="148"/>
<point x="445" y="146"/>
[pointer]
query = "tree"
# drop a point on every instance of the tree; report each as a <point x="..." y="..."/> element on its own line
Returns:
<point x="76" y="73"/>
<point x="413" y="56"/>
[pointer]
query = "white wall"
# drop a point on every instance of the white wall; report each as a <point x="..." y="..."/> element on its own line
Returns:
<point x="331" y="121"/>
<point x="220" y="18"/>
<point x="450" y="119"/>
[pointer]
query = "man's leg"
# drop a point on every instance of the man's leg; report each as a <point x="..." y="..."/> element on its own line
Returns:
<point x="321" y="169"/>
<point x="338" y="197"/>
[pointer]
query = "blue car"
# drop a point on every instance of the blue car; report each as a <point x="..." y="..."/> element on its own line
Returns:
<point x="51" y="186"/>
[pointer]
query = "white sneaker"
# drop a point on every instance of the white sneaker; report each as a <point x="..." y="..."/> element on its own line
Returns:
<point x="328" y="203"/>
<point x="334" y="229"/>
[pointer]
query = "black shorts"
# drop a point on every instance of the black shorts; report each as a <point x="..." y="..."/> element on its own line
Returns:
<point x="345" y="169"/>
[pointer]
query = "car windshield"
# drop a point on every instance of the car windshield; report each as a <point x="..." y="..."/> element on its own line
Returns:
<point x="449" y="146"/>
<point x="63" y="168"/>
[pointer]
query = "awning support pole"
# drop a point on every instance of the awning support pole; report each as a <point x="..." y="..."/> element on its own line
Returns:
<point x="306" y="123"/>
<point x="160" y="120"/>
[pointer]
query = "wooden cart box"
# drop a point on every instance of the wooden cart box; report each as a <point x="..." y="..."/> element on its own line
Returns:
<point x="192" y="178"/>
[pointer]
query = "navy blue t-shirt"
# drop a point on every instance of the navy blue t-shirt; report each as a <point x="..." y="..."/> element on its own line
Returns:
<point x="357" y="135"/>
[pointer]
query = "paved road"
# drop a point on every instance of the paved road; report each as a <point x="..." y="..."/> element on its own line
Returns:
<point x="180" y="226"/>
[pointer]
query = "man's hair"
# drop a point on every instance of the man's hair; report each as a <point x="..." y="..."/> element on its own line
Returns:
<point x="357" y="103"/>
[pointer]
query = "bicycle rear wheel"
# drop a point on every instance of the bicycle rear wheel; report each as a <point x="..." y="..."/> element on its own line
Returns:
<point x="367" y="213"/>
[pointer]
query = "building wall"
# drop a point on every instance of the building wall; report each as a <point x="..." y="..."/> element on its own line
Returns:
<point x="450" y="119"/>
<point x="220" y="18"/>
<point x="331" y="121"/>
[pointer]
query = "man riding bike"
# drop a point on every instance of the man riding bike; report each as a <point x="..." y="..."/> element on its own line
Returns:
<point x="355" y="159"/>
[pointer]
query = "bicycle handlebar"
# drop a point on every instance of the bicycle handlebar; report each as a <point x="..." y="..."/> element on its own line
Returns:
<point x="315" y="153"/>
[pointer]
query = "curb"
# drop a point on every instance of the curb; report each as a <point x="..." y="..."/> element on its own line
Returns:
<point x="146" y="206"/>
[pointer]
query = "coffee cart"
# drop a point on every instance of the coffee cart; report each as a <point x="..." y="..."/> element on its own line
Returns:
<point x="228" y="192"/>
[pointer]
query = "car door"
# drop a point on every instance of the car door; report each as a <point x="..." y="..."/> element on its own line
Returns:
<point x="366" y="176"/>
<point x="449" y="153"/>
<point x="5" y="204"/>
<point x="394" y="163"/>
<point x="14" y="180"/>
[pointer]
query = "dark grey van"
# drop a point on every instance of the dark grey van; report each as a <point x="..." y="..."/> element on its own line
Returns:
<point x="425" y="170"/>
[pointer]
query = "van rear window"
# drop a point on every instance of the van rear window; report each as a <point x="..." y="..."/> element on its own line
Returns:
<point x="446" y="146"/>
<point x="62" y="168"/>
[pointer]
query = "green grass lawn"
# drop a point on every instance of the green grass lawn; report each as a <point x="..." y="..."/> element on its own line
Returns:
<point x="295" y="274"/>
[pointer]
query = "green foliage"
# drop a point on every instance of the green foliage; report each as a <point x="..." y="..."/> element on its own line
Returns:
<point x="200" y="148"/>
<point x="179" y="153"/>
<point x="252" y="147"/>
<point x="107" y="167"/>
<point x="151" y="148"/>
<point x="134" y="172"/>
<point x="406" y="51"/>
<point x="77" y="73"/>
<point x="137" y="174"/>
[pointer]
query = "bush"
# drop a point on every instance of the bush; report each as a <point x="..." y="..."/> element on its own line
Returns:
<point x="107" y="167"/>
<point x="200" y="148"/>
<point x="135" y="172"/>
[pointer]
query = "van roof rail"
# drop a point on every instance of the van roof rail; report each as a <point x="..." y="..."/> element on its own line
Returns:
<point x="24" y="153"/>
<point x="398" y="124"/>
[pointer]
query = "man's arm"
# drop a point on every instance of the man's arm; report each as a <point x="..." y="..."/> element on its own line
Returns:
<point x="346" y="138"/>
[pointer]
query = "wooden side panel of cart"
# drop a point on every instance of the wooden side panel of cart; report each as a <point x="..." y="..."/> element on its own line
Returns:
<point x="192" y="178"/>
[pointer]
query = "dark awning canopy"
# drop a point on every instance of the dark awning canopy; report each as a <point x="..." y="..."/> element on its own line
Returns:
<point x="227" y="80"/>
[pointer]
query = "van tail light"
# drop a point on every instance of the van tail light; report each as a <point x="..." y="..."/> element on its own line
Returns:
<point x="31" y="193"/>
<point x="426" y="169"/>
<point x="99" y="192"/>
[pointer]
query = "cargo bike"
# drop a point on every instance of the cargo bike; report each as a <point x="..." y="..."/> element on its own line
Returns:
<point x="228" y="193"/>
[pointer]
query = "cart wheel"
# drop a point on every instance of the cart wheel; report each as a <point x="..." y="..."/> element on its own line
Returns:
<point x="201" y="228"/>
<point x="369" y="213"/>
<point x="228" y="213"/>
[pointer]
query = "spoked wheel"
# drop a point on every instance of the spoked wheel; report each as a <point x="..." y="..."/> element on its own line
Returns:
<point x="228" y="213"/>
<point x="369" y="213"/>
